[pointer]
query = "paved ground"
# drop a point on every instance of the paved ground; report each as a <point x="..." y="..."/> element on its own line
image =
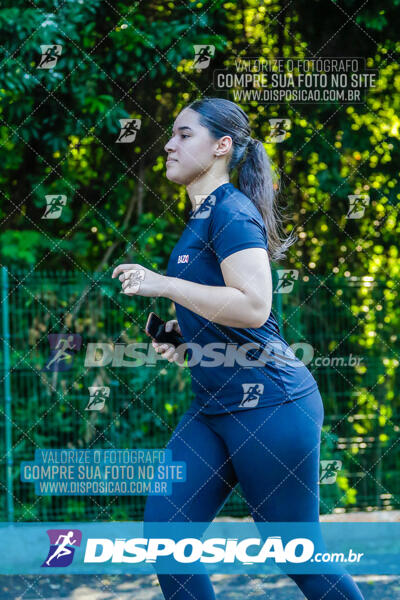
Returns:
<point x="227" y="587"/>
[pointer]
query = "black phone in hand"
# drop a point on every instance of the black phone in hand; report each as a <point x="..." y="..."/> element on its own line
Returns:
<point x="155" y="328"/>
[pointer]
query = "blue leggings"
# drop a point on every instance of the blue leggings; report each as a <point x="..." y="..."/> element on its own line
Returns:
<point x="274" y="453"/>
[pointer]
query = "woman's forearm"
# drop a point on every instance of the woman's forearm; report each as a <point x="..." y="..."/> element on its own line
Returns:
<point x="219" y="304"/>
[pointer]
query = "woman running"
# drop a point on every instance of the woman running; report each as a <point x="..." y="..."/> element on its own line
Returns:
<point x="257" y="413"/>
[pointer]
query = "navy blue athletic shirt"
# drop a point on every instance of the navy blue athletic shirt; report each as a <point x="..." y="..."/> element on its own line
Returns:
<point x="266" y="372"/>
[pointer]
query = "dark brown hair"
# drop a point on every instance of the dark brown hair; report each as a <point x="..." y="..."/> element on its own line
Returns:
<point x="255" y="174"/>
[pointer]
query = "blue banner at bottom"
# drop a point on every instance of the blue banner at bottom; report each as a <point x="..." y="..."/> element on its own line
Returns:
<point x="219" y="547"/>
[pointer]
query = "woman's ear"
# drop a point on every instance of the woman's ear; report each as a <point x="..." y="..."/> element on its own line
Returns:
<point x="224" y="145"/>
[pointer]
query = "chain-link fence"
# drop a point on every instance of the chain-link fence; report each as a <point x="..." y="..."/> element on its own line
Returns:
<point x="341" y="321"/>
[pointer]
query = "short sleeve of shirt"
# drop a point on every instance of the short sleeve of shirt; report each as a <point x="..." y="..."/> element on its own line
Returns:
<point x="233" y="228"/>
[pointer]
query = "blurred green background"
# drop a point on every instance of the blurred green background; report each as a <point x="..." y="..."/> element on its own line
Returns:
<point x="58" y="135"/>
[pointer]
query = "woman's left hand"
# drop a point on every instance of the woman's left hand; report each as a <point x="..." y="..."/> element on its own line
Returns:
<point x="137" y="280"/>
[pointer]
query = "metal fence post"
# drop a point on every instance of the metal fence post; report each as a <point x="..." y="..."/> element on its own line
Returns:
<point x="7" y="391"/>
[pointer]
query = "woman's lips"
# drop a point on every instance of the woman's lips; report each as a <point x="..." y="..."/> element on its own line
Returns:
<point x="170" y="160"/>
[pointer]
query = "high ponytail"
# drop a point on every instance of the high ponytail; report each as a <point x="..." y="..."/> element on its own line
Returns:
<point x="256" y="178"/>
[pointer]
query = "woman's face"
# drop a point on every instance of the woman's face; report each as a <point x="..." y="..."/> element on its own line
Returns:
<point x="191" y="149"/>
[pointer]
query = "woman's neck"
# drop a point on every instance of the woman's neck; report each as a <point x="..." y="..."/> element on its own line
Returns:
<point x="199" y="189"/>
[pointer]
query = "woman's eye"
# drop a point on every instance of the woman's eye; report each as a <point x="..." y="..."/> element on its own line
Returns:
<point x="184" y="136"/>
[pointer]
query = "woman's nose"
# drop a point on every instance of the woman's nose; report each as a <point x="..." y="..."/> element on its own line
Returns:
<point x="169" y="146"/>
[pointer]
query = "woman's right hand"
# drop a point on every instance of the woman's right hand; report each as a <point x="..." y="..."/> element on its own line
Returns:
<point x="173" y="324"/>
<point x="168" y="351"/>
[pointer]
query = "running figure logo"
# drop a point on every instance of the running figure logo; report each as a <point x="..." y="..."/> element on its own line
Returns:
<point x="98" y="397"/>
<point x="287" y="278"/>
<point x="202" y="56"/>
<point x="134" y="277"/>
<point x="279" y="130"/>
<point x="49" y="56"/>
<point x="251" y="394"/>
<point x="62" y="347"/>
<point x="357" y="206"/>
<point x="203" y="206"/>
<point x="129" y="129"/>
<point x="54" y="207"/>
<point x="62" y="542"/>
<point x="329" y="470"/>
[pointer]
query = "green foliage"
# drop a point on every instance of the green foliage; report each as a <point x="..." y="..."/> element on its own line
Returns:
<point x="58" y="133"/>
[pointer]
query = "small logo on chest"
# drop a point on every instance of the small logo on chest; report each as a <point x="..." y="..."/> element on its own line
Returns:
<point x="183" y="258"/>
